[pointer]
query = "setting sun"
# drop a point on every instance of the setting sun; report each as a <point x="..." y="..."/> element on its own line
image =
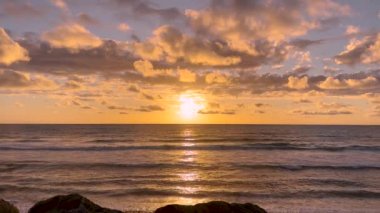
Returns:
<point x="189" y="106"/>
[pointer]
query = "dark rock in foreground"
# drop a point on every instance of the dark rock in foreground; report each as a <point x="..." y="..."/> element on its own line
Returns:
<point x="73" y="203"/>
<point x="212" y="207"/>
<point x="6" y="207"/>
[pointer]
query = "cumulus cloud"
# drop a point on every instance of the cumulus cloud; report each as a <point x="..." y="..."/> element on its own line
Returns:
<point x="335" y="83"/>
<point x="15" y="79"/>
<point x="11" y="51"/>
<point x="240" y="22"/>
<point x="172" y="45"/>
<point x="366" y="51"/>
<point x="298" y="82"/>
<point x="71" y="36"/>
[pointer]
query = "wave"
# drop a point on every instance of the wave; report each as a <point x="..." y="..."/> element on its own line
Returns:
<point x="244" y="146"/>
<point x="197" y="166"/>
<point x="178" y="192"/>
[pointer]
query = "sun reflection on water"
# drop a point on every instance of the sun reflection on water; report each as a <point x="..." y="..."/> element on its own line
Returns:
<point x="188" y="177"/>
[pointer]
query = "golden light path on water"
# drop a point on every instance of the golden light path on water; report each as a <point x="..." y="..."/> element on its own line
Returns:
<point x="189" y="177"/>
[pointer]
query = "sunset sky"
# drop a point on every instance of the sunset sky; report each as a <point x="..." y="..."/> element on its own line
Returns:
<point x="198" y="61"/>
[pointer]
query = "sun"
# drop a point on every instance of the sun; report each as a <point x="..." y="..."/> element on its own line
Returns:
<point x="190" y="105"/>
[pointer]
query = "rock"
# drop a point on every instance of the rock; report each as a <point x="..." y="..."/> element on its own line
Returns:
<point x="72" y="203"/>
<point x="6" y="207"/>
<point x="211" y="207"/>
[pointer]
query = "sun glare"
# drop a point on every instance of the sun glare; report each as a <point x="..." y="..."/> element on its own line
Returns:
<point x="190" y="105"/>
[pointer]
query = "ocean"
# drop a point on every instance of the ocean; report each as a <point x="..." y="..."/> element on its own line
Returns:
<point x="282" y="168"/>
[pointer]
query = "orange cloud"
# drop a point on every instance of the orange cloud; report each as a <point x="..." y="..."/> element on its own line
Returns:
<point x="72" y="36"/>
<point x="11" y="51"/>
<point x="298" y="82"/>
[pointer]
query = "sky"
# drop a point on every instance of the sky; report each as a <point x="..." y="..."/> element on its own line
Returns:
<point x="199" y="61"/>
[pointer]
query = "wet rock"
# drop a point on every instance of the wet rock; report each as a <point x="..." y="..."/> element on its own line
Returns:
<point x="72" y="203"/>
<point x="6" y="207"/>
<point x="212" y="207"/>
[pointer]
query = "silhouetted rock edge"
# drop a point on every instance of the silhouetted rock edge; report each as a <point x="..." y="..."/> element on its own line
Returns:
<point x="76" y="203"/>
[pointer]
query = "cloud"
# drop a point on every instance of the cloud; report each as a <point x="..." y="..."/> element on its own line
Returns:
<point x="331" y="70"/>
<point x="20" y="9"/>
<point x="74" y="85"/>
<point x="145" y="67"/>
<point x="133" y="88"/>
<point x="365" y="51"/>
<point x="186" y="75"/>
<point x="11" y="51"/>
<point x="240" y="22"/>
<point x="299" y="69"/>
<point x="335" y="83"/>
<point x="71" y="36"/>
<point x="352" y="30"/>
<point x="150" y="108"/>
<point x="305" y="43"/>
<point x="110" y="57"/>
<point x="170" y="44"/>
<point x="86" y="19"/>
<point x="148" y="97"/>
<point x="114" y="107"/>
<point x="15" y="79"/>
<point x="61" y="4"/>
<point x="259" y="105"/>
<point x="303" y="101"/>
<point x="123" y="27"/>
<point x="140" y="8"/>
<point x="216" y="78"/>
<point x="298" y="82"/>
<point x="327" y="112"/>
<point x="324" y="105"/>
<point x="215" y="112"/>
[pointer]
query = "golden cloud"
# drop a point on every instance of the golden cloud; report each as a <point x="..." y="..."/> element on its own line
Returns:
<point x="73" y="37"/>
<point x="11" y="51"/>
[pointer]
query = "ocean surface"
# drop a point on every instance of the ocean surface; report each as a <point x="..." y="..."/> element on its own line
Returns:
<point x="141" y="167"/>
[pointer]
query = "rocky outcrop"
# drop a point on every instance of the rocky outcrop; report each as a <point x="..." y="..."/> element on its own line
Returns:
<point x="72" y="203"/>
<point x="6" y="207"/>
<point x="75" y="203"/>
<point x="211" y="207"/>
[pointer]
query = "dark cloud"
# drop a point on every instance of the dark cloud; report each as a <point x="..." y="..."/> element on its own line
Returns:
<point x="361" y="51"/>
<point x="109" y="57"/>
<point x="141" y="9"/>
<point x="150" y="108"/>
<point x="148" y="97"/>
<point x="133" y="88"/>
<point x="220" y="112"/>
<point x="259" y="105"/>
<point x="305" y="43"/>
<point x="114" y="107"/>
<point x="20" y="9"/>
<point x="303" y="101"/>
<point x="14" y="79"/>
<point x="87" y="19"/>
<point x="328" y="112"/>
